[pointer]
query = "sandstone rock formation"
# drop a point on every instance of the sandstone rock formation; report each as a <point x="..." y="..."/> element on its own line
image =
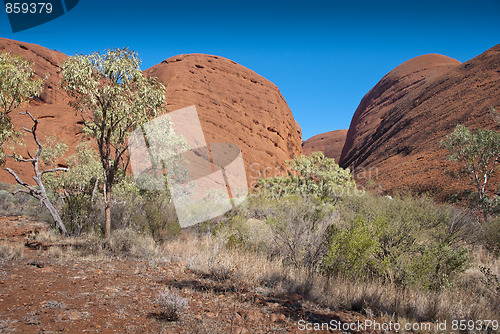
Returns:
<point x="51" y="108"/>
<point x="330" y="143"/>
<point x="235" y="105"/>
<point x="399" y="123"/>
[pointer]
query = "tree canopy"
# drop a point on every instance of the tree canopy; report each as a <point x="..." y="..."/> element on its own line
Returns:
<point x="478" y="152"/>
<point x="17" y="86"/>
<point x="113" y="98"/>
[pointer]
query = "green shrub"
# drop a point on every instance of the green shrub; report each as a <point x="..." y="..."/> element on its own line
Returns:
<point x="310" y="176"/>
<point x="148" y="211"/>
<point x="351" y="252"/>
<point x="293" y="228"/>
<point x="82" y="204"/>
<point x="76" y="191"/>
<point x="6" y="202"/>
<point x="433" y="267"/>
<point x="21" y="204"/>
<point x="403" y="240"/>
<point x="406" y="241"/>
<point x="248" y="233"/>
<point x="490" y="235"/>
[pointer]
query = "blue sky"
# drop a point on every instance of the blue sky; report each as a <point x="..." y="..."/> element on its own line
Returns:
<point x="323" y="55"/>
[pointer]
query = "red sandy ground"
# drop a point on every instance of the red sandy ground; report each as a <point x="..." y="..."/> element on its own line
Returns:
<point x="43" y="294"/>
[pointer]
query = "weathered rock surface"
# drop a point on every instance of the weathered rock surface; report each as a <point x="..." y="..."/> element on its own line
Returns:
<point x="235" y="105"/>
<point x="330" y="143"/>
<point x="399" y="123"/>
<point x="51" y="108"/>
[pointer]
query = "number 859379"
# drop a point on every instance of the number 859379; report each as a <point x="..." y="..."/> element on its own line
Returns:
<point x="31" y="8"/>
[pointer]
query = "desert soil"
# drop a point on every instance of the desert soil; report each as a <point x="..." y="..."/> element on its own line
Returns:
<point x="41" y="293"/>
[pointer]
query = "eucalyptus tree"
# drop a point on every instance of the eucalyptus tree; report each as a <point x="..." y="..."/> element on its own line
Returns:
<point x="18" y="86"/>
<point x="113" y="98"/>
<point x="478" y="152"/>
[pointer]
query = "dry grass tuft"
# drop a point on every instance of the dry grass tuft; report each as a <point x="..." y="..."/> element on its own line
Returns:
<point x="171" y="304"/>
<point x="127" y="242"/>
<point x="10" y="251"/>
<point x="468" y="299"/>
<point x="122" y="242"/>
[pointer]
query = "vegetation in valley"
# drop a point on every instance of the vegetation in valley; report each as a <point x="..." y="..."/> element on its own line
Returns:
<point x="311" y="233"/>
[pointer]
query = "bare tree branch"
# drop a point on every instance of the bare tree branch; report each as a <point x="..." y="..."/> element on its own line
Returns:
<point x="40" y="192"/>
<point x="53" y="170"/>
<point x="21" y="182"/>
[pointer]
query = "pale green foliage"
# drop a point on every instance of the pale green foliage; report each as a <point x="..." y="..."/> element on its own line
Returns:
<point x="110" y="90"/>
<point x="478" y="152"/>
<point x="404" y="241"/>
<point x="53" y="149"/>
<point x="17" y="86"/>
<point x="163" y="150"/>
<point x="84" y="168"/>
<point x="293" y="228"/>
<point x="113" y="98"/>
<point x="300" y="229"/>
<point x="436" y="266"/>
<point x="77" y="186"/>
<point x="491" y="235"/>
<point x="314" y="175"/>
<point x="148" y="211"/>
<point x="251" y="234"/>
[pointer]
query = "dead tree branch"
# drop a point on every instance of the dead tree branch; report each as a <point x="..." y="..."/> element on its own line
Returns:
<point x="38" y="192"/>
